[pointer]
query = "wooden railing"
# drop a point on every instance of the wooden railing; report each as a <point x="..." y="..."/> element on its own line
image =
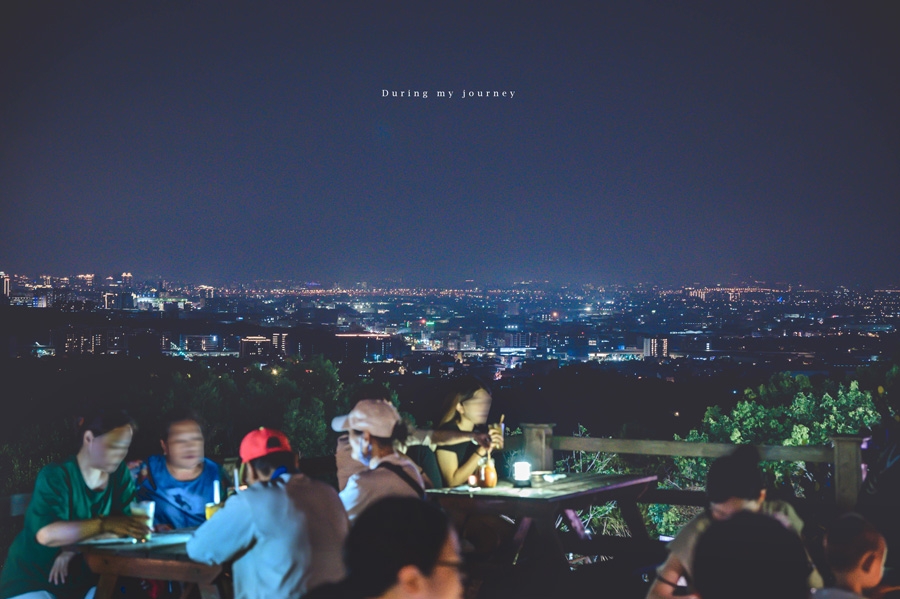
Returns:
<point x="845" y="453"/>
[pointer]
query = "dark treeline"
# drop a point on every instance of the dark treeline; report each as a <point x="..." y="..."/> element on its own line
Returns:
<point x="42" y="398"/>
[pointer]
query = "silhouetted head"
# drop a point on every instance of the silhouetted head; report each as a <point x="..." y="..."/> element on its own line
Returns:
<point x="750" y="556"/>
<point x="405" y="545"/>
<point x="735" y="482"/>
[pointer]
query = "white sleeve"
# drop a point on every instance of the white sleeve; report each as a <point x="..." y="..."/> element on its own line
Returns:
<point x="226" y="534"/>
<point x="355" y="496"/>
<point x="420" y="436"/>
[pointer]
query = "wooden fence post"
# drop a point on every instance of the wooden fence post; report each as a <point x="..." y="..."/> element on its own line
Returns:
<point x="847" y="470"/>
<point x="537" y="445"/>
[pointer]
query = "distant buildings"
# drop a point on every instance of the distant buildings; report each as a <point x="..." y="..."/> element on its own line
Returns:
<point x="656" y="347"/>
<point x="256" y="347"/>
<point x="265" y="321"/>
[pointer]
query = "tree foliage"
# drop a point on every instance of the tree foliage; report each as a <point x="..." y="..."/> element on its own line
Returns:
<point x="298" y="397"/>
<point x="787" y="410"/>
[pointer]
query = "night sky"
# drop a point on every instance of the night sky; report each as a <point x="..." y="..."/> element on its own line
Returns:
<point x="671" y="142"/>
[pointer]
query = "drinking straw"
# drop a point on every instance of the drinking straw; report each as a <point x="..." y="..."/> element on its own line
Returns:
<point x="217" y="491"/>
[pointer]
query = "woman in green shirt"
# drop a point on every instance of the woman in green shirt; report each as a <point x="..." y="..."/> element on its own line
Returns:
<point x="87" y="495"/>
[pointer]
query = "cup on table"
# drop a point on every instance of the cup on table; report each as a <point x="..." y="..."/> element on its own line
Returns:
<point x="146" y="509"/>
<point x="500" y="427"/>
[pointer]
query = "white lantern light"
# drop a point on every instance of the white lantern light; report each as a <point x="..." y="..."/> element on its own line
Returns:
<point x="522" y="474"/>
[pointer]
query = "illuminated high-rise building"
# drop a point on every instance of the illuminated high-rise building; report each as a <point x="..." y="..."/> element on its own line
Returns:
<point x="656" y="347"/>
<point x="280" y="343"/>
<point x="4" y="284"/>
<point x="127" y="279"/>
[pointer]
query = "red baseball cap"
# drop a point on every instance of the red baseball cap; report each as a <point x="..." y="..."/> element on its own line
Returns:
<point x="263" y="441"/>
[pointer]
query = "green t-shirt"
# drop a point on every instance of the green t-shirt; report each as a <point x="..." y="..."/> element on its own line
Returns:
<point x="60" y="493"/>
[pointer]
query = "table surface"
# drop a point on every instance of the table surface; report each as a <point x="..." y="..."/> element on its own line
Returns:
<point x="168" y="545"/>
<point x="572" y="486"/>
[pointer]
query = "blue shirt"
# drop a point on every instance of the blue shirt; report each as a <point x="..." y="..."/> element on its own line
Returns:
<point x="179" y="504"/>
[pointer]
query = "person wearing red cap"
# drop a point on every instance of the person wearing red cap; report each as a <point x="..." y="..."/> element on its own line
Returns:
<point x="283" y="534"/>
<point x="374" y="426"/>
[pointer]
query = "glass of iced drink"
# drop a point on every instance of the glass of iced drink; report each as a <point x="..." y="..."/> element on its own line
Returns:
<point x="487" y="472"/>
<point x="146" y="509"/>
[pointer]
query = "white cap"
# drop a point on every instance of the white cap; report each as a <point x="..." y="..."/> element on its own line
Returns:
<point x="375" y="416"/>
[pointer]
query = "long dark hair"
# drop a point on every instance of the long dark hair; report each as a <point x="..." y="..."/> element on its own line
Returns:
<point x="461" y="389"/>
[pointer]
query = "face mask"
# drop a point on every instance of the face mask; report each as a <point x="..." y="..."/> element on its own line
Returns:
<point x="365" y="454"/>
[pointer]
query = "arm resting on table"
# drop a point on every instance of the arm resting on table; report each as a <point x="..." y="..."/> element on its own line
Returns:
<point x="69" y="532"/>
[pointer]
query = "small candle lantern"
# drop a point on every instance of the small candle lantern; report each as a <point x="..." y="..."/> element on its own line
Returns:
<point x="521" y="474"/>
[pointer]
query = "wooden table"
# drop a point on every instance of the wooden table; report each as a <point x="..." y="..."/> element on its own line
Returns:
<point x="536" y="509"/>
<point x="157" y="559"/>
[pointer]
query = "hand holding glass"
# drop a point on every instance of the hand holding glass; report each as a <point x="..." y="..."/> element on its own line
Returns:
<point x="147" y="509"/>
<point x="497" y="431"/>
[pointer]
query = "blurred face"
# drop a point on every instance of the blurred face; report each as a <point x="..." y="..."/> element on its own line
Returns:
<point x="476" y="408"/>
<point x="106" y="452"/>
<point x="446" y="580"/>
<point x="184" y="447"/>
<point x="360" y="449"/>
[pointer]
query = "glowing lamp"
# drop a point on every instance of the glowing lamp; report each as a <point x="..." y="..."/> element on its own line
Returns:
<point x="521" y="474"/>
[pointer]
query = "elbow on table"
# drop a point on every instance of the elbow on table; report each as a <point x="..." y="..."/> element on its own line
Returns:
<point x="45" y="538"/>
<point x="457" y="478"/>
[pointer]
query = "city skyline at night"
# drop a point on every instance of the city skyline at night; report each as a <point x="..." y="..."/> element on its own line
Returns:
<point x="612" y="144"/>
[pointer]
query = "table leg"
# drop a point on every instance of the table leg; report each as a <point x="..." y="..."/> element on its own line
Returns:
<point x="544" y="549"/>
<point x="106" y="586"/>
<point x="518" y="540"/>
<point x="634" y="519"/>
<point x="576" y="525"/>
